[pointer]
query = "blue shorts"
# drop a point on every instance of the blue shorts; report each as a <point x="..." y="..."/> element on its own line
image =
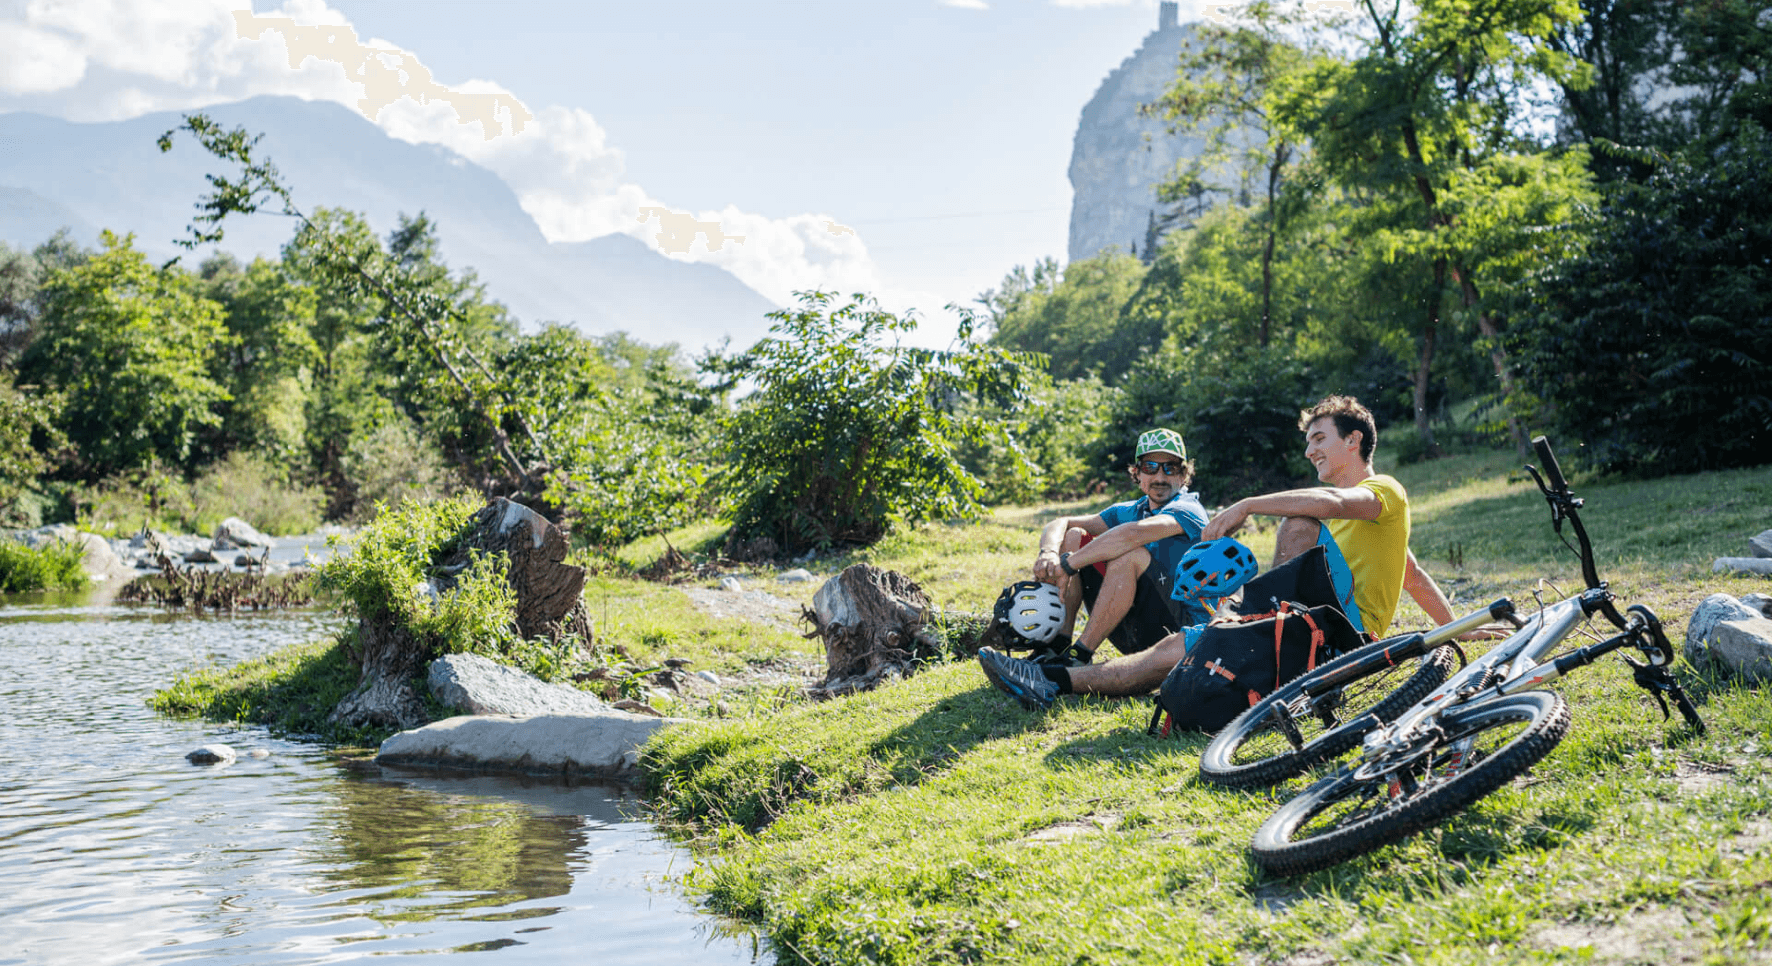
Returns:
<point x="1343" y="577"/>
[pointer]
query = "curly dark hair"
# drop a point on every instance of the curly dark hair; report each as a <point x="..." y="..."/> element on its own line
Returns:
<point x="1349" y="415"/>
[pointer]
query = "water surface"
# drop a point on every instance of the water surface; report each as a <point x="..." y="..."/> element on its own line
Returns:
<point x="114" y="849"/>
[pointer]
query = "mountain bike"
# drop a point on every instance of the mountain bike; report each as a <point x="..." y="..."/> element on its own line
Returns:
<point x="1438" y="741"/>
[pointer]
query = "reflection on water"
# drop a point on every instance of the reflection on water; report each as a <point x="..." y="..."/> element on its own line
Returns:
<point x="113" y="848"/>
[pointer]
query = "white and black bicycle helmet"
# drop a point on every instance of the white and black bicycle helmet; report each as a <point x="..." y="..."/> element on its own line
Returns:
<point x="1029" y="613"/>
<point x="1213" y="569"/>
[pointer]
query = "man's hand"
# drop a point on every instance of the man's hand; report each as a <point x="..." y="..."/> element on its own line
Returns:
<point x="1488" y="632"/>
<point x="1047" y="570"/>
<point x="1229" y="521"/>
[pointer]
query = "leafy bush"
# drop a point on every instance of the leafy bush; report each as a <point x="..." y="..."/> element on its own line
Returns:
<point x="1056" y="429"/>
<point x="384" y="577"/>
<point x="53" y="566"/>
<point x="393" y="464"/>
<point x="1654" y="348"/>
<point x="243" y="485"/>
<point x="846" y="433"/>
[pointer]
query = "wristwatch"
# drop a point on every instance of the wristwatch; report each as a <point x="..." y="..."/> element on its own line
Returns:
<point x="1064" y="564"/>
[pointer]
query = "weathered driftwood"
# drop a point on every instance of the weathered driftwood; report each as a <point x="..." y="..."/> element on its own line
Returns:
<point x="549" y="604"/>
<point x="873" y="624"/>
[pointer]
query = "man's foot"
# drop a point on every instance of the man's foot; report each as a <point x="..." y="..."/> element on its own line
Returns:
<point x="1067" y="655"/>
<point x="1021" y="680"/>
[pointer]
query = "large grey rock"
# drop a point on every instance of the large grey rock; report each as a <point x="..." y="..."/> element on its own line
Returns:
<point x="1750" y="565"/>
<point x="1761" y="544"/>
<point x="1744" y="647"/>
<point x="600" y="744"/>
<point x="1710" y="612"/>
<point x="201" y="555"/>
<point x="43" y="536"/>
<point x="235" y="534"/>
<point x="1759" y="602"/>
<point x="101" y="562"/>
<point x="477" y="685"/>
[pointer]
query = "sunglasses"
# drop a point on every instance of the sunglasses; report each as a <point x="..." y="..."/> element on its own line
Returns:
<point x="1153" y="467"/>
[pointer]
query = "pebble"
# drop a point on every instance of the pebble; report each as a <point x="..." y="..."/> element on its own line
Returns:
<point x="794" y="576"/>
<point x="709" y="677"/>
<point x="211" y="755"/>
<point x="731" y="583"/>
<point x="258" y="753"/>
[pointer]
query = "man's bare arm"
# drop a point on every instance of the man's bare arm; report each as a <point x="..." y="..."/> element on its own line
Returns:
<point x="1137" y="533"/>
<point x="1052" y="539"/>
<point x="1421" y="586"/>
<point x="1317" y="502"/>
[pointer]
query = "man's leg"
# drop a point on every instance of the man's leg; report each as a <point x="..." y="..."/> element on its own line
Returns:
<point x="1139" y="673"/>
<point x="1074" y="538"/>
<point x="1115" y="597"/>
<point x="1297" y="534"/>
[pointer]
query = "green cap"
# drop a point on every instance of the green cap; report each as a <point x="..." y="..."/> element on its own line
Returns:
<point x="1161" y="441"/>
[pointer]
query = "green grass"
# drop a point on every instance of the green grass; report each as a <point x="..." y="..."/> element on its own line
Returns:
<point x="53" y="566"/>
<point x="935" y="821"/>
<point x="291" y="690"/>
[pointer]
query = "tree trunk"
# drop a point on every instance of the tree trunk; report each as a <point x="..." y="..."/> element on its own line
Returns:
<point x="1424" y="364"/>
<point x="872" y="624"/>
<point x="1467" y="288"/>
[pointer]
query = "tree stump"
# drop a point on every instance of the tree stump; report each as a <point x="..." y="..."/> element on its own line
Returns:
<point x="872" y="622"/>
<point x="549" y="596"/>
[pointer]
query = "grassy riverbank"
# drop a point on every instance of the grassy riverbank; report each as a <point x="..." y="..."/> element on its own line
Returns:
<point x="936" y="821"/>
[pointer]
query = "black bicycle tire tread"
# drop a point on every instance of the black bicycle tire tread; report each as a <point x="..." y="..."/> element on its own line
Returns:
<point x="1541" y="736"/>
<point x="1272" y="771"/>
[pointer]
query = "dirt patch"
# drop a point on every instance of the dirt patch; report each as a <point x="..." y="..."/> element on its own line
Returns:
<point x="1697" y="777"/>
<point x="1755" y="836"/>
<point x="1660" y="936"/>
<point x="756" y="606"/>
<point x="1065" y="831"/>
<point x="1277" y="900"/>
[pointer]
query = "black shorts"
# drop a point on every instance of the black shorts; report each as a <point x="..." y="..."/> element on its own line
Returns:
<point x="1152" y="617"/>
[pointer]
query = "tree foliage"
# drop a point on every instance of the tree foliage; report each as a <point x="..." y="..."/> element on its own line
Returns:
<point x="849" y="430"/>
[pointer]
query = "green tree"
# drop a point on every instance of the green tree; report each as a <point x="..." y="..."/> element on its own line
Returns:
<point x="847" y="432"/>
<point x="129" y="348"/>
<point x="1076" y="317"/>
<point x="1654" y="346"/>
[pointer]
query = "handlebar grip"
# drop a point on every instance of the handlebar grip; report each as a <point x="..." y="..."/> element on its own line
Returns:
<point x="1551" y="469"/>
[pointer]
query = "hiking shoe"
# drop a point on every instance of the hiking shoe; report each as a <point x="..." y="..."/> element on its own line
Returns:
<point x="1021" y="680"/>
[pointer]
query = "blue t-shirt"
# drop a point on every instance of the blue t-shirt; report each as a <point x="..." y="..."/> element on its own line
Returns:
<point x="1166" y="553"/>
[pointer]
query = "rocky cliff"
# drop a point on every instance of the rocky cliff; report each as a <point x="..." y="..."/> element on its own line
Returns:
<point x="1119" y="157"/>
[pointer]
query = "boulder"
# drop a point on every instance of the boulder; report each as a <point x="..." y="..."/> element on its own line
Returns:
<point x="101" y="562"/>
<point x="1761" y="603"/>
<point x="217" y="754"/>
<point x="1761" y="545"/>
<point x="1750" y="565"/>
<point x="236" y="534"/>
<point x="1744" y="647"/>
<point x="1710" y="612"/>
<point x="798" y="575"/>
<point x="201" y="555"/>
<point x="731" y="584"/>
<point x="476" y="685"/>
<point x="43" y="536"/>
<point x="148" y="541"/>
<point x="606" y="744"/>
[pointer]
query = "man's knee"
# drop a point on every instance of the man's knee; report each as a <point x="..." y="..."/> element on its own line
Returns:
<point x="1073" y="539"/>
<point x="1296" y="535"/>
<point x="1131" y="563"/>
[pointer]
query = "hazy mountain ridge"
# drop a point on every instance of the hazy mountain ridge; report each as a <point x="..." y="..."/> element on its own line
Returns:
<point x="111" y="175"/>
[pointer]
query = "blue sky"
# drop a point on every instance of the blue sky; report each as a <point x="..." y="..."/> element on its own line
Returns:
<point x="939" y="132"/>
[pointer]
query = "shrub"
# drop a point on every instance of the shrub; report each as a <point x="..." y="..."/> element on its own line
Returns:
<point x="846" y="433"/>
<point x="393" y="464"/>
<point x="53" y="566"/>
<point x="383" y="577"/>
<point x="243" y="485"/>
<point x="1057" y="430"/>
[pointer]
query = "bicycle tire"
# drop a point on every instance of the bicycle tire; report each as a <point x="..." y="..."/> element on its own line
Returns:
<point x="1226" y="760"/>
<point x="1280" y="848"/>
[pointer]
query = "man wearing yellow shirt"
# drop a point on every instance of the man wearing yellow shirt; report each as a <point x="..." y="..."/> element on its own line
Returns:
<point x="1360" y="517"/>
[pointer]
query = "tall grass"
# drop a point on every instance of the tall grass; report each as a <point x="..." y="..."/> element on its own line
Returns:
<point x="53" y="566"/>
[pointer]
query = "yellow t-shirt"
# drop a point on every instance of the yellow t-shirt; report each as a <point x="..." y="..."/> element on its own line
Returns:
<point x="1377" y="553"/>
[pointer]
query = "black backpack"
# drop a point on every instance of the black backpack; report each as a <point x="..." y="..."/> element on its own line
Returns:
<point x="1238" y="661"/>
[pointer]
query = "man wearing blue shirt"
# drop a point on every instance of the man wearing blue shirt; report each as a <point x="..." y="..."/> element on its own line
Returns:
<point x="1120" y="563"/>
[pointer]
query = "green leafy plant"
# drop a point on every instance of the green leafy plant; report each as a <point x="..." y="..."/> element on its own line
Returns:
<point x="849" y="429"/>
<point x="53" y="566"/>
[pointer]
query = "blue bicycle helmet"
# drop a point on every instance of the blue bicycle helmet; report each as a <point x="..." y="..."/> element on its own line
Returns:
<point x="1211" y="570"/>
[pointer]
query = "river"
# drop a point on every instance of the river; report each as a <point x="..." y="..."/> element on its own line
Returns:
<point x="114" y="849"/>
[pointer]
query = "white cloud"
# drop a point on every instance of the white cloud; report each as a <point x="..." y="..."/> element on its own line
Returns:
<point x="35" y="61"/>
<point x="91" y="60"/>
<point x="966" y="4"/>
<point x="1098" y="3"/>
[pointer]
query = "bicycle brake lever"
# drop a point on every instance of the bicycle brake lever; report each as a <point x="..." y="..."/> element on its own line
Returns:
<point x="1657" y="681"/>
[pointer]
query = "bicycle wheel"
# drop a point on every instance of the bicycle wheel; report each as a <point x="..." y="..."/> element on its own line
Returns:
<point x="1481" y="747"/>
<point x="1286" y="733"/>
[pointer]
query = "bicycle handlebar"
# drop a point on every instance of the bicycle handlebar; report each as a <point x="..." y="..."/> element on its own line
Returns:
<point x="1564" y="505"/>
<point x="1551" y="469"/>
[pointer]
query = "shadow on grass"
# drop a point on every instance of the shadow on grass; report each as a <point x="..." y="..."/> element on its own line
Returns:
<point x="291" y="691"/>
<point x="929" y="743"/>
